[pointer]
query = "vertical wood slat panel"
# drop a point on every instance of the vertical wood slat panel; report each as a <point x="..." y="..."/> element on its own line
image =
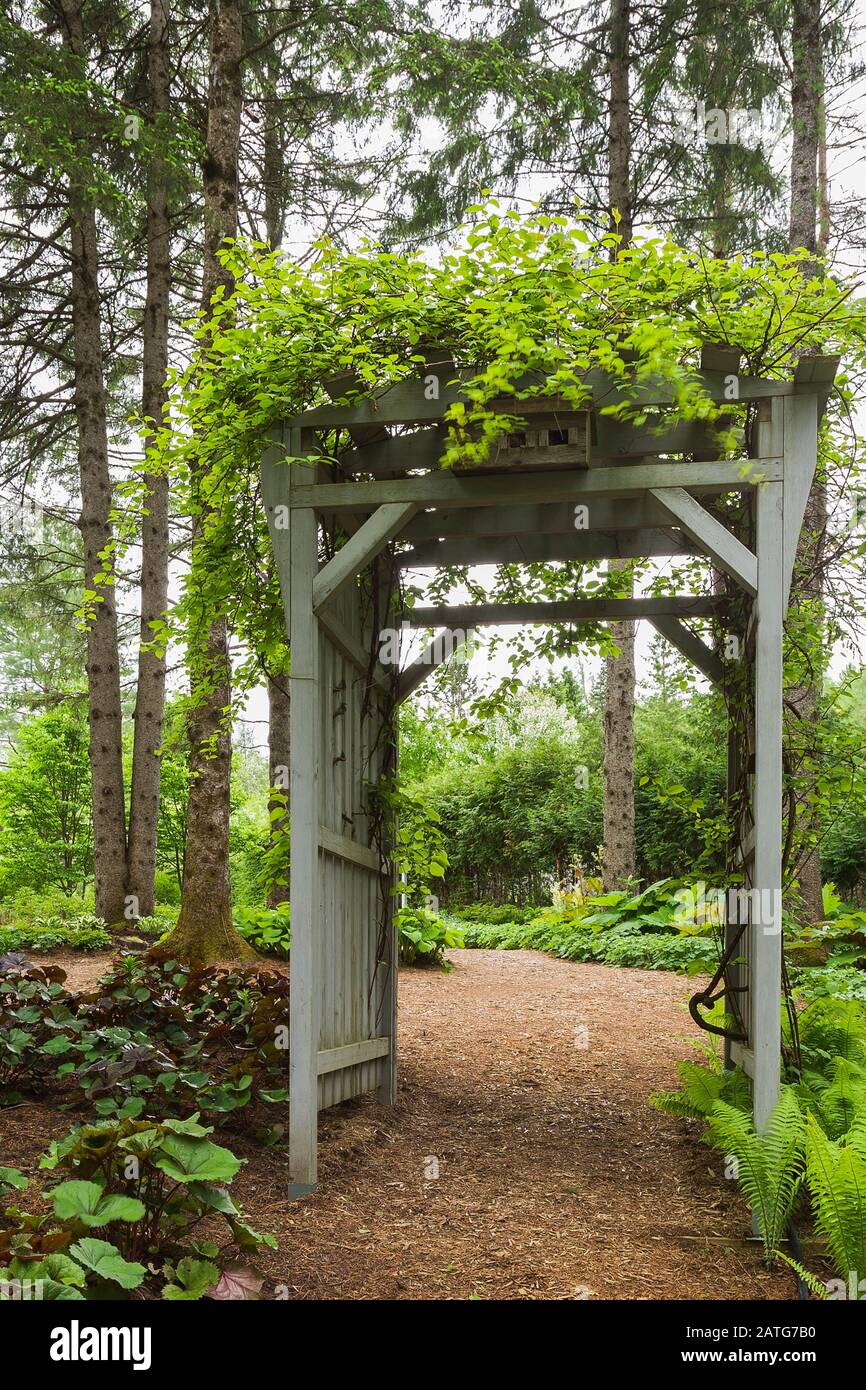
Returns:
<point x="349" y="894"/>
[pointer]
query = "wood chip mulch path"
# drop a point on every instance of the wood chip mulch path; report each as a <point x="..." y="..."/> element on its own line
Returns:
<point x="523" y="1085"/>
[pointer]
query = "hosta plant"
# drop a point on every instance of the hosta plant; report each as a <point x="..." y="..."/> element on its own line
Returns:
<point x="269" y="929"/>
<point x="424" y="936"/>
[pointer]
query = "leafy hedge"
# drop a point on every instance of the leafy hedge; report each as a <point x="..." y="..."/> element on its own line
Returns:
<point x="494" y="914"/>
<point x="654" y="929"/>
<point x="624" y="945"/>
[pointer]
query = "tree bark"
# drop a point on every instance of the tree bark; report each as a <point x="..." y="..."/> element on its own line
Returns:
<point x="279" y="695"/>
<point x="618" y="858"/>
<point x="805" y="103"/>
<point x="823" y="182"/>
<point x="150" y="694"/>
<point x="204" y="930"/>
<point x="619" y="120"/>
<point x="102" y="663"/>
<point x="618" y="854"/>
<point x="802" y="701"/>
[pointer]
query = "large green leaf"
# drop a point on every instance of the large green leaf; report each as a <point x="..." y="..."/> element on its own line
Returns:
<point x="86" y="1202"/>
<point x="187" y="1159"/>
<point x="194" y="1278"/>
<point x="106" y="1261"/>
<point x="13" y="1178"/>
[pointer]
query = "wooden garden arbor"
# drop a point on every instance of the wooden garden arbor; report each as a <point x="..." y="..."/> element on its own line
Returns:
<point x="574" y="485"/>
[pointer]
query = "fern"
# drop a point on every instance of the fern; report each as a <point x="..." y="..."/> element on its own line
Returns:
<point x="832" y="1028"/>
<point x="769" y="1165"/>
<point x="702" y="1087"/>
<point x="834" y="1103"/>
<point x="812" y="1282"/>
<point x="836" y="1176"/>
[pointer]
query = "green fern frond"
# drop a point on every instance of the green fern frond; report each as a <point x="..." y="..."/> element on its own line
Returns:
<point x="769" y="1165"/>
<point x="812" y="1282"/>
<point x="836" y="1176"/>
<point x="675" y="1103"/>
<point x="843" y="1097"/>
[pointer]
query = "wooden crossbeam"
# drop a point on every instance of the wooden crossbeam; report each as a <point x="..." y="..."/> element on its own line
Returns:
<point x="360" y="549"/>
<point x="538" y="519"/>
<point x="693" y="648"/>
<point x="444" y="489"/>
<point x="523" y="549"/>
<point x="438" y="649"/>
<point x="573" y="610"/>
<point x="711" y="535"/>
<point x="407" y="401"/>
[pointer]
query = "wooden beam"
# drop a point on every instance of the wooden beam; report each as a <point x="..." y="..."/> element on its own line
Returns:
<point x="440" y="648"/>
<point x="350" y="850"/>
<point x="538" y="519"/>
<point x="527" y="549"/>
<point x="360" y="549"/>
<point x="711" y="535"/>
<point x="693" y="648"/>
<point x="573" y="610"/>
<point x="420" y="449"/>
<point x="445" y="489"/>
<point x="423" y="448"/>
<point x="801" y="457"/>
<point x="406" y="401"/>
<point x="338" y="1058"/>
<point x="622" y="438"/>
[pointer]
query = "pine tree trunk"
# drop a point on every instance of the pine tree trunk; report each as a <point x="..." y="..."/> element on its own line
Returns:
<point x="279" y="696"/>
<point x="802" y="701"/>
<point x="150" y="697"/>
<point x="619" y="119"/>
<point x="805" y="104"/>
<point x="618" y="855"/>
<point x="102" y="664"/>
<point x="204" y="930"/>
<point x="618" y="858"/>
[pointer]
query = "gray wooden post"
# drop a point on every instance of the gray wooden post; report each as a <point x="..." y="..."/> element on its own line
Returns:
<point x="388" y="965"/>
<point x="306" y="977"/>
<point x="766" y="913"/>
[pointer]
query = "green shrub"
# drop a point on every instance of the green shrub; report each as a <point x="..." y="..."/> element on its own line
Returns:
<point x="27" y="906"/>
<point x="268" y="929"/>
<point x="588" y="939"/>
<point x="158" y="924"/>
<point x="85" y="933"/>
<point x="494" y="914"/>
<point x="424" y="936"/>
<point x="166" y="889"/>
